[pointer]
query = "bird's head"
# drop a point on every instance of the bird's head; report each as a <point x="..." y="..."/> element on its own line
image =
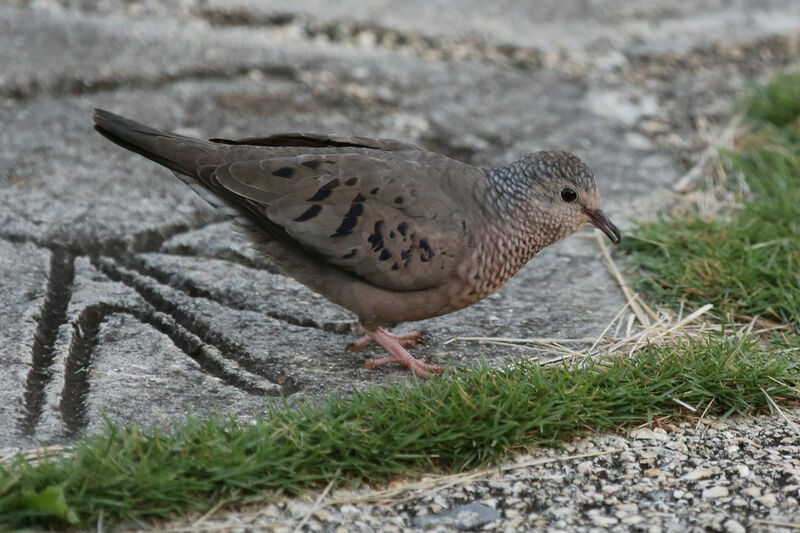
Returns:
<point x="562" y="194"/>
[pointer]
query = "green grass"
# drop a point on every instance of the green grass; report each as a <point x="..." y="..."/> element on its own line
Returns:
<point x="467" y="419"/>
<point x="746" y="264"/>
<point x="778" y="102"/>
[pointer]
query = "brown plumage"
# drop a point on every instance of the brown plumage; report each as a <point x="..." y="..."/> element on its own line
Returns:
<point x="386" y="229"/>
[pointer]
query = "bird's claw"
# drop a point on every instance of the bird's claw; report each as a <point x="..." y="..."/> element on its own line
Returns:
<point x="396" y="346"/>
<point x="418" y="366"/>
<point x="406" y="340"/>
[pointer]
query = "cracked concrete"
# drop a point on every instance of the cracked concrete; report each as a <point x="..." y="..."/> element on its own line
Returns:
<point x="122" y="293"/>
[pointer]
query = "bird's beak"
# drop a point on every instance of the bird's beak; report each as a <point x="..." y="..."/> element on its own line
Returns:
<point x="604" y="224"/>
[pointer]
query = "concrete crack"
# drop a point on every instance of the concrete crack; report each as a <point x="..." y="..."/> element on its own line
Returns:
<point x="68" y="85"/>
<point x="84" y="340"/>
<point x="146" y="240"/>
<point x="416" y="43"/>
<point x="188" y="287"/>
<point x="145" y="287"/>
<point x="51" y="317"/>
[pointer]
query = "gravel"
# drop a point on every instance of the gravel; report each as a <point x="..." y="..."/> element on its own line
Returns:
<point x="741" y="474"/>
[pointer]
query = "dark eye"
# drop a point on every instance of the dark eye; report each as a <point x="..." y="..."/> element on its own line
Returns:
<point x="568" y="195"/>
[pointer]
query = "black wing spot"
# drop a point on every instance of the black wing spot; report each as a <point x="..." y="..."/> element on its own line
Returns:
<point x="355" y="210"/>
<point x="427" y="254"/>
<point x="320" y="195"/>
<point x="398" y="200"/>
<point x="392" y="234"/>
<point x="284" y="172"/>
<point x="345" y="227"/>
<point x="395" y="267"/>
<point x="402" y="228"/>
<point x="405" y="255"/>
<point x="359" y="198"/>
<point x="351" y="253"/>
<point x="350" y="220"/>
<point x="313" y="164"/>
<point x="375" y="190"/>
<point x="331" y="184"/>
<point x="376" y="239"/>
<point x="311" y="212"/>
<point x="351" y="181"/>
<point x="385" y="254"/>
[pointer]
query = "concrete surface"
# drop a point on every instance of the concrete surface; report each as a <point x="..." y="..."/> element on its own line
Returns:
<point x="122" y="293"/>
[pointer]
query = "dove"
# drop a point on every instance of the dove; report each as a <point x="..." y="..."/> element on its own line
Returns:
<point x="387" y="229"/>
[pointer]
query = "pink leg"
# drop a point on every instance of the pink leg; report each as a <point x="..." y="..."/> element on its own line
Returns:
<point x="406" y="340"/>
<point x="398" y="354"/>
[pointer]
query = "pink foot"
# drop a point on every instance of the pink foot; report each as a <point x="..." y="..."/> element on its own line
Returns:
<point x="398" y="354"/>
<point x="406" y="340"/>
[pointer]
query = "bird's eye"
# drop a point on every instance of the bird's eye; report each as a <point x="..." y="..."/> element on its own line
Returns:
<point x="568" y="195"/>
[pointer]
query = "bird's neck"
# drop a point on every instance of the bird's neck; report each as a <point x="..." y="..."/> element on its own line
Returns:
<point x="514" y="210"/>
<point x="508" y="188"/>
<point x="514" y="229"/>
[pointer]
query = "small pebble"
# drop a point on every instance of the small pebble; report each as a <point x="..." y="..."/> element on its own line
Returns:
<point x="698" y="473"/>
<point x="715" y="492"/>
<point x="768" y="500"/>
<point x="732" y="526"/>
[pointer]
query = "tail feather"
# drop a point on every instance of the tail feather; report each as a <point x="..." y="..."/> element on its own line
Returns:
<point x="176" y="152"/>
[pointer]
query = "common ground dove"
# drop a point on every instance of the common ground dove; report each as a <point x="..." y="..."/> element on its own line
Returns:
<point x="387" y="229"/>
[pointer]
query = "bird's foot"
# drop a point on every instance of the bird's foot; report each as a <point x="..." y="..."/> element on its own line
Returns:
<point x="398" y="354"/>
<point x="406" y="340"/>
<point x="418" y="366"/>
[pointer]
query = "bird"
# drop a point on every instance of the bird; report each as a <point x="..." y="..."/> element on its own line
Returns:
<point x="387" y="229"/>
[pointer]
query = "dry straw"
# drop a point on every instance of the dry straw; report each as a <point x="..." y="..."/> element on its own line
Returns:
<point x="635" y="325"/>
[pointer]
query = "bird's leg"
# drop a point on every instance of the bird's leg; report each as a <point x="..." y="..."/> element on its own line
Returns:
<point x="406" y="340"/>
<point x="398" y="354"/>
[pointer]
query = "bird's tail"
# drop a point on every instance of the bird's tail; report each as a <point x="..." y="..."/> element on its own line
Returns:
<point x="176" y="152"/>
<point x="183" y="155"/>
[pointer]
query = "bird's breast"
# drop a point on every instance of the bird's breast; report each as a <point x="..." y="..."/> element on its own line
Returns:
<point x="499" y="253"/>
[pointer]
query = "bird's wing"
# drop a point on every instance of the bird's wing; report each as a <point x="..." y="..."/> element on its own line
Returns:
<point x="387" y="218"/>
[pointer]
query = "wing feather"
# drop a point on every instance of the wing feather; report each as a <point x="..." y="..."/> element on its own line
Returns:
<point x="382" y="218"/>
